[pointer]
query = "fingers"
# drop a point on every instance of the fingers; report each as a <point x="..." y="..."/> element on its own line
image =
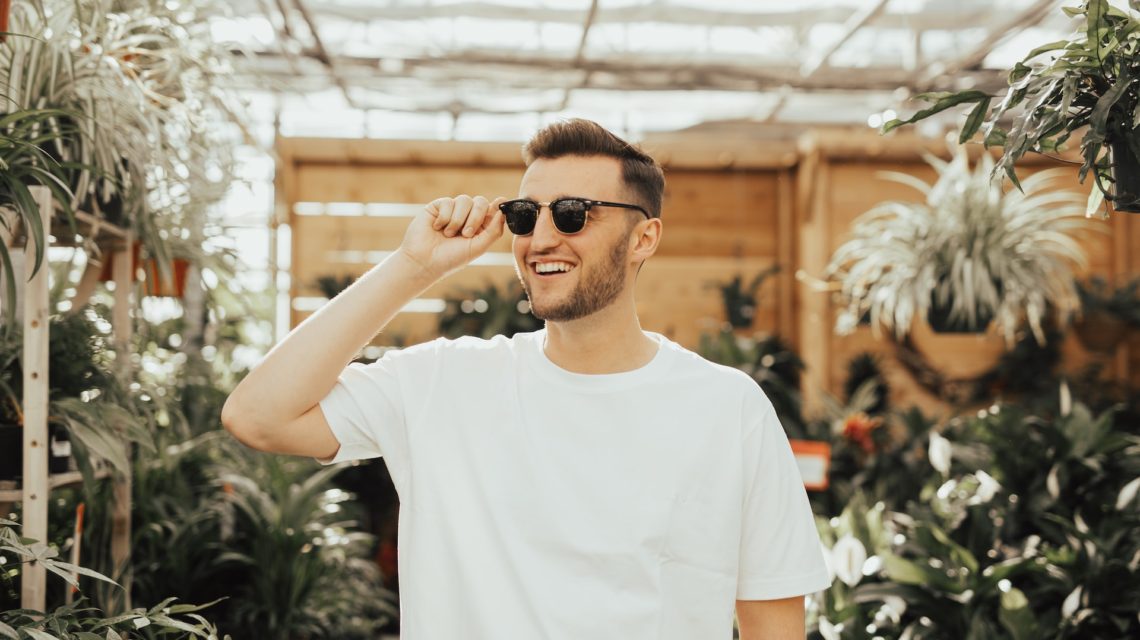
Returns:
<point x="463" y="215"/>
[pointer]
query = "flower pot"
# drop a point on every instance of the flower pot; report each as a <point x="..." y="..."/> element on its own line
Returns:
<point x="156" y="286"/>
<point x="11" y="452"/>
<point x="1100" y="331"/>
<point x="5" y="7"/>
<point x="958" y="355"/>
<point x="1125" y="177"/>
<point x="154" y="282"/>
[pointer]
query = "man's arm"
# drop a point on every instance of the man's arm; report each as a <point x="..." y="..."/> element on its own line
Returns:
<point x="276" y="407"/>
<point x="771" y="619"/>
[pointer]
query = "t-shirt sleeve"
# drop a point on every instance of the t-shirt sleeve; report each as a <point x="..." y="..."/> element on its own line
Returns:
<point x="371" y="406"/>
<point x="780" y="551"/>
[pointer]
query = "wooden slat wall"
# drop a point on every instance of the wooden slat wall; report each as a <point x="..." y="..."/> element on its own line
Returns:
<point x="718" y="222"/>
<point x="726" y="211"/>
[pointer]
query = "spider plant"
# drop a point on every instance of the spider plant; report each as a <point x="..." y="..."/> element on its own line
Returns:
<point x="969" y="254"/>
<point x="23" y="163"/>
<point x="129" y="109"/>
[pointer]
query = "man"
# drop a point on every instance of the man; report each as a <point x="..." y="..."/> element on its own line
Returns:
<point x="587" y="481"/>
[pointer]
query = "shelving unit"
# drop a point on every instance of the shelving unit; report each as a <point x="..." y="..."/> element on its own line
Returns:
<point x="32" y="308"/>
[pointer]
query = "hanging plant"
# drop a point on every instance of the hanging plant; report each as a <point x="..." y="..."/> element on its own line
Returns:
<point x="1088" y="85"/>
<point x="971" y="252"/>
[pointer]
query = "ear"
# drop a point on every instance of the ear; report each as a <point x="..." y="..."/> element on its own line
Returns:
<point x="644" y="239"/>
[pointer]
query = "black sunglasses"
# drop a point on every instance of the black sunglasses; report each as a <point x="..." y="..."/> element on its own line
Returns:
<point x="569" y="214"/>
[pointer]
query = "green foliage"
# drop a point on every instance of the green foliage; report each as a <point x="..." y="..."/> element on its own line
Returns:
<point x="1031" y="529"/>
<point x="740" y="301"/>
<point x="331" y="286"/>
<point x="969" y="253"/>
<point x="866" y="367"/>
<point x="488" y="312"/>
<point x="1087" y="84"/>
<point x="77" y="620"/>
<point x="1122" y="301"/>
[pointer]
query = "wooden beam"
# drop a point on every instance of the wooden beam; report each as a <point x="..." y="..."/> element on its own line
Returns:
<point x="33" y="582"/>
<point x="121" y="328"/>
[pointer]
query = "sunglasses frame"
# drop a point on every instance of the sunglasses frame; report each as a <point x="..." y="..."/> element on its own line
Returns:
<point x="589" y="203"/>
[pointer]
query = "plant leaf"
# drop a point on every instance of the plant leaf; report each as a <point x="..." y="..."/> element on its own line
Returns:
<point x="942" y="101"/>
<point x="974" y="120"/>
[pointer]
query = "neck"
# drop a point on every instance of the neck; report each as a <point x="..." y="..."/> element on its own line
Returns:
<point x="608" y="341"/>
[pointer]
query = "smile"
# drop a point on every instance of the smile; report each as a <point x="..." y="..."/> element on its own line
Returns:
<point x="551" y="269"/>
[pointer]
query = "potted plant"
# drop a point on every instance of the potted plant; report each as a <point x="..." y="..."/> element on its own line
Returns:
<point x="488" y="312"/>
<point x="969" y="254"/>
<point x="1091" y="80"/>
<point x="740" y="300"/>
<point x="1106" y="314"/>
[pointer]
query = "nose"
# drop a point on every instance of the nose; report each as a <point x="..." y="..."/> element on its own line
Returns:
<point x="545" y="234"/>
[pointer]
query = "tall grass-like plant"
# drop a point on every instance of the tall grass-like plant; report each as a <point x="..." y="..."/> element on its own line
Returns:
<point x="118" y="106"/>
<point x="969" y="253"/>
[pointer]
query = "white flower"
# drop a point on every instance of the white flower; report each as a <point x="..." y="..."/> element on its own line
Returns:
<point x="847" y="558"/>
<point x="987" y="487"/>
<point x="1071" y="604"/>
<point x="828" y="630"/>
<point x="940" y="453"/>
<point x="1127" y="494"/>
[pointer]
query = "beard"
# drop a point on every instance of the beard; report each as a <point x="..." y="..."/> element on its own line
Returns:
<point x="597" y="288"/>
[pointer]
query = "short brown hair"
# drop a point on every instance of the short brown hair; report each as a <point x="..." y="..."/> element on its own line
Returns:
<point x="578" y="137"/>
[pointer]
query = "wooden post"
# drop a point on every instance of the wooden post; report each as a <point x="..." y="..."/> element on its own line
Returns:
<point x="121" y="326"/>
<point x="35" y="364"/>
<point x="813" y="232"/>
<point x="786" y="255"/>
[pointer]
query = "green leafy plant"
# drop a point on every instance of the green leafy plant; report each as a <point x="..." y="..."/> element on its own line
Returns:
<point x="24" y="162"/>
<point x="1088" y="83"/>
<point x="740" y="302"/>
<point x="78" y="621"/>
<point x="1027" y="526"/>
<point x="866" y="367"/>
<point x="1122" y="301"/>
<point x="488" y="312"/>
<point x="970" y="253"/>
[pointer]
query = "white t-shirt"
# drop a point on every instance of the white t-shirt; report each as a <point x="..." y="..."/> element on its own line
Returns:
<point x="540" y="504"/>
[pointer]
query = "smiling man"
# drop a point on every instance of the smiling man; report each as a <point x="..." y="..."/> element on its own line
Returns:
<point x="590" y="480"/>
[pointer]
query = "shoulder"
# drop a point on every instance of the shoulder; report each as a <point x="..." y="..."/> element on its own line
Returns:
<point x="690" y="365"/>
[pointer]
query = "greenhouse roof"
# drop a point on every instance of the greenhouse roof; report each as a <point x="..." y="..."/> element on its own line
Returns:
<point x="494" y="69"/>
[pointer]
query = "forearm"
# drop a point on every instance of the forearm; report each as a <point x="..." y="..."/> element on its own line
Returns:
<point x="781" y="619"/>
<point x="301" y="370"/>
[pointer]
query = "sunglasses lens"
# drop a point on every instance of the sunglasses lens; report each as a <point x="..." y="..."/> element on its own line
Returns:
<point x="521" y="216"/>
<point x="569" y="215"/>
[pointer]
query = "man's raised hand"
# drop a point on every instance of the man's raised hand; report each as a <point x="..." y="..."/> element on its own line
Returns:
<point x="451" y="232"/>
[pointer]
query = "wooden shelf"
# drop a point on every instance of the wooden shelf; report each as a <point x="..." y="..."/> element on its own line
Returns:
<point x="55" y="481"/>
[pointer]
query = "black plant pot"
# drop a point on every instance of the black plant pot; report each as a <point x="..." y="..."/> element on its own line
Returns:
<point x="940" y="322"/>
<point x="11" y="452"/>
<point x="1126" y="177"/>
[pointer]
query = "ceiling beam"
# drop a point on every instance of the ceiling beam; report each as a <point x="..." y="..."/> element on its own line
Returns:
<point x="973" y="58"/>
<point x="580" y="56"/>
<point x="857" y="21"/>
<point x="939" y="16"/>
<point x="472" y="68"/>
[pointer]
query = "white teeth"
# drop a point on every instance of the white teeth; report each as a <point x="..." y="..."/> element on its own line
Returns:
<point x="551" y="267"/>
